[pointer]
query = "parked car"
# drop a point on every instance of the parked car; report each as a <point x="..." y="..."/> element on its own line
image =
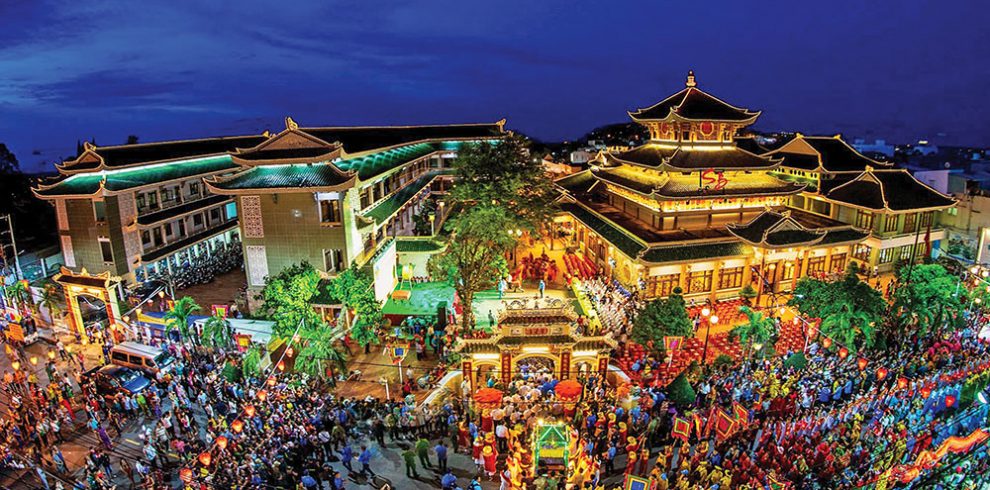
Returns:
<point x="111" y="380"/>
<point x="146" y="358"/>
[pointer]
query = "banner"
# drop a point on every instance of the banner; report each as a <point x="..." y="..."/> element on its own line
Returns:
<point x="681" y="430"/>
<point x="724" y="424"/>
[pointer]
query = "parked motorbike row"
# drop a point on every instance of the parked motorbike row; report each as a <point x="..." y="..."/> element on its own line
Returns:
<point x="203" y="269"/>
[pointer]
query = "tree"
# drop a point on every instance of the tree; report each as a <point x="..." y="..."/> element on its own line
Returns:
<point x="251" y="362"/>
<point x="286" y="298"/>
<point x="797" y="361"/>
<point x="928" y="296"/>
<point x="662" y="318"/>
<point x="178" y="316"/>
<point x="421" y="220"/>
<point x="216" y="332"/>
<point x="318" y="355"/>
<point x="747" y="293"/>
<point x="850" y="309"/>
<point x="354" y="289"/>
<point x="757" y="329"/>
<point x="475" y="254"/>
<point x="18" y="294"/>
<point x="504" y="174"/>
<point x="680" y="391"/>
<point x="51" y="300"/>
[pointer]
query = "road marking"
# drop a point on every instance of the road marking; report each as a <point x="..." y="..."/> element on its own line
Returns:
<point x="132" y="441"/>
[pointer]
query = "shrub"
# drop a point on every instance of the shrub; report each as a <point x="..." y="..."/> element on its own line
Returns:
<point x="797" y="361"/>
<point x="680" y="392"/>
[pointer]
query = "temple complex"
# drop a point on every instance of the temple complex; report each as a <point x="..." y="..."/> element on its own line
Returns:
<point x="706" y="209"/>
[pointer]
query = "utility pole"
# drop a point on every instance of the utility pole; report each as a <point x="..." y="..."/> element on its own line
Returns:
<point x="13" y="244"/>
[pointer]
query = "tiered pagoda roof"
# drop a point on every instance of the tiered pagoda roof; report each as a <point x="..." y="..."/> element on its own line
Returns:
<point x="892" y="190"/>
<point x="665" y="188"/>
<point x="777" y="229"/>
<point x="96" y="158"/>
<point x="828" y="154"/>
<point x="694" y="104"/>
<point x="688" y="158"/>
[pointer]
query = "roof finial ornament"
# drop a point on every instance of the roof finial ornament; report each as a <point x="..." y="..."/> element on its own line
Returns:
<point x="290" y="124"/>
<point x="690" y="80"/>
<point x="88" y="146"/>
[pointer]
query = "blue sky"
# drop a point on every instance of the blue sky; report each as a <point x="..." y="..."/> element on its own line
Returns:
<point x="176" y="69"/>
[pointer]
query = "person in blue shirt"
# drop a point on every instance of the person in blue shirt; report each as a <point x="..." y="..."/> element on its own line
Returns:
<point x="338" y="481"/>
<point x="542" y="287"/>
<point x="365" y="460"/>
<point x="448" y="481"/>
<point x="346" y="455"/>
<point x="441" y="451"/>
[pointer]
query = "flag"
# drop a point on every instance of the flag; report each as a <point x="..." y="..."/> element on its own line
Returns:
<point x="710" y="423"/>
<point x="724" y="424"/>
<point x="699" y="425"/>
<point x="742" y="415"/>
<point x="682" y="429"/>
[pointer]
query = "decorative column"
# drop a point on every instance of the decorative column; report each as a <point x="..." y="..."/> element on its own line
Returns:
<point x="506" y="371"/>
<point x="75" y="315"/>
<point x="467" y="372"/>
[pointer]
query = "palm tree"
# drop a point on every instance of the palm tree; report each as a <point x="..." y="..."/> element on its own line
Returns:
<point x="756" y="329"/>
<point x="178" y="316"/>
<point x="18" y="294"/>
<point x="851" y="327"/>
<point x="51" y="300"/>
<point x="319" y="354"/>
<point x="216" y="332"/>
<point x="251" y="362"/>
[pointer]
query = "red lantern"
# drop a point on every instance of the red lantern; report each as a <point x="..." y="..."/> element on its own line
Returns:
<point x="237" y="425"/>
<point x="281" y="366"/>
<point x="843" y="353"/>
<point x="826" y="342"/>
<point x="926" y="392"/>
<point x="271" y="379"/>
<point x="881" y="374"/>
<point x="249" y="410"/>
<point x="221" y="442"/>
<point x="902" y="383"/>
<point x="185" y="474"/>
<point x="862" y="363"/>
<point x="262" y="395"/>
<point x="206" y="458"/>
<point x="950" y="401"/>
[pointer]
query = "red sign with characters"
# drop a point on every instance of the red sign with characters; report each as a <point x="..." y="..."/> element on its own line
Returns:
<point x="536" y="331"/>
<point x="506" y="368"/>
<point x="565" y="365"/>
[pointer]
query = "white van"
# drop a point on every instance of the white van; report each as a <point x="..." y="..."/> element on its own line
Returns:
<point x="142" y="357"/>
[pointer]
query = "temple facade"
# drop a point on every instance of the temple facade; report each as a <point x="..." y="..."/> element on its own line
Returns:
<point x="703" y="208"/>
<point x="332" y="196"/>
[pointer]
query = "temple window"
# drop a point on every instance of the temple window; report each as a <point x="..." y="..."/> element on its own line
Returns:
<point x="886" y="256"/>
<point x="862" y="252"/>
<point x="864" y="220"/>
<point x="890" y="223"/>
<point x="330" y="211"/>
<point x="730" y="278"/>
<point x="910" y="222"/>
<point x="927" y="219"/>
<point x="700" y="282"/>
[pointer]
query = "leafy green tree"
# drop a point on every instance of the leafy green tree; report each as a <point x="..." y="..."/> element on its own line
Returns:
<point x="680" y="391"/>
<point x="850" y="309"/>
<point x="662" y="318"/>
<point x="251" y="362"/>
<point x="18" y="294"/>
<point x="475" y="254"/>
<point x="216" y="332"/>
<point x="796" y="360"/>
<point x="318" y="354"/>
<point x="354" y="289"/>
<point x="178" y="316"/>
<point x="927" y="297"/>
<point x="747" y="293"/>
<point x="286" y="298"/>
<point x="504" y="174"/>
<point x="756" y="329"/>
<point x="51" y="300"/>
<point x="421" y="221"/>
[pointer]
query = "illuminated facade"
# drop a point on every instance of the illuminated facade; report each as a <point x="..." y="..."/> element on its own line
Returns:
<point x="332" y="196"/>
<point x="702" y="208"/>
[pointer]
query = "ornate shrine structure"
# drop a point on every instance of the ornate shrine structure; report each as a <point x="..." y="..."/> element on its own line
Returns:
<point x="545" y="335"/>
<point x="706" y="209"/>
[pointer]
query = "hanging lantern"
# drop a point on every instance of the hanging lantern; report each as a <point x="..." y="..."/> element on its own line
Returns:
<point x="950" y="401"/>
<point x="843" y="353"/>
<point x="862" y="363"/>
<point x="237" y="426"/>
<point x="826" y="342"/>
<point x="186" y="475"/>
<point x="51" y="355"/>
<point x="281" y="367"/>
<point x="249" y="410"/>
<point x="206" y="458"/>
<point x="881" y="373"/>
<point x="902" y="383"/>
<point x="271" y="379"/>
<point x="926" y="392"/>
<point x="262" y="395"/>
<point x="221" y="442"/>
<point x="289" y="352"/>
<point x="16" y="365"/>
<point x="33" y="360"/>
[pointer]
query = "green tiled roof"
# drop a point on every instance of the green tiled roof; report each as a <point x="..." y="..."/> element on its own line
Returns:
<point x="842" y="236"/>
<point x="286" y="176"/>
<point x="417" y="245"/>
<point x="694" y="252"/>
<point x="118" y="180"/>
<point x="578" y="183"/>
<point x="388" y="207"/>
<point x="613" y="234"/>
<point x="371" y="165"/>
